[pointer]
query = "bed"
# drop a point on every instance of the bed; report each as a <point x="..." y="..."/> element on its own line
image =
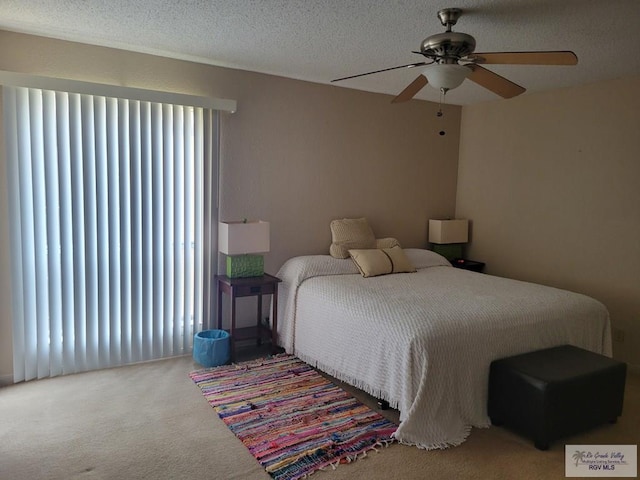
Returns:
<point x="424" y="341"/>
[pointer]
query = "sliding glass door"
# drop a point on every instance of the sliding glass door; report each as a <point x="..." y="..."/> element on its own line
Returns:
<point x="108" y="199"/>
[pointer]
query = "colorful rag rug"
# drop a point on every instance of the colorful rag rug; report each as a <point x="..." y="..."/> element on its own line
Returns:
<point x="292" y="419"/>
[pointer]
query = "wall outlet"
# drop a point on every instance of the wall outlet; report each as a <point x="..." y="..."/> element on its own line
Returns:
<point x="617" y="334"/>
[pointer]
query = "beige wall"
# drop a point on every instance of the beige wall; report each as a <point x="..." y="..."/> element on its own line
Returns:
<point x="296" y="153"/>
<point x="551" y="183"/>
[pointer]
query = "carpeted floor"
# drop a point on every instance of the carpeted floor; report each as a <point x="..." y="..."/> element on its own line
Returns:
<point x="150" y="421"/>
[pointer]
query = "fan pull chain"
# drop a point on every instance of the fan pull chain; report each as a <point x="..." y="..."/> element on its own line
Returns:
<point x="443" y="93"/>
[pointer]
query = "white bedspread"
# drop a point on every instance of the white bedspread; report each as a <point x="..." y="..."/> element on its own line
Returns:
<point x="424" y="341"/>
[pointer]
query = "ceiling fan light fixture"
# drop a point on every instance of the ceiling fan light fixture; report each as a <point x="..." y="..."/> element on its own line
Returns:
<point x="443" y="53"/>
<point x="446" y="76"/>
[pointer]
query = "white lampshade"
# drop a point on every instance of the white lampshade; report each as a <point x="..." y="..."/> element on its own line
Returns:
<point x="448" y="231"/>
<point x="237" y="238"/>
<point x="446" y="75"/>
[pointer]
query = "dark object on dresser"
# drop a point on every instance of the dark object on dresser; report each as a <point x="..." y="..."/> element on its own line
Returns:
<point x="556" y="392"/>
<point x="466" y="264"/>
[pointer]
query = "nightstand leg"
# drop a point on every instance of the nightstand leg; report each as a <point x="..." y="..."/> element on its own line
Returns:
<point x="219" y="306"/>
<point x="233" y="327"/>
<point x="274" y="321"/>
<point x="258" y="326"/>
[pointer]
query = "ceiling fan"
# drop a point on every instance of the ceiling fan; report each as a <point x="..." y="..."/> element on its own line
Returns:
<point x="451" y="59"/>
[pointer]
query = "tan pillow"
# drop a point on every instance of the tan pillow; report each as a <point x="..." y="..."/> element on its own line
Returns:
<point x="387" y="242"/>
<point x="349" y="233"/>
<point x="381" y="261"/>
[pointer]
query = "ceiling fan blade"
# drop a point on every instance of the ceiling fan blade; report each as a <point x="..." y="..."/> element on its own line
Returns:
<point x="494" y="82"/>
<point x="411" y="90"/>
<point x="526" y="58"/>
<point x="410" y="65"/>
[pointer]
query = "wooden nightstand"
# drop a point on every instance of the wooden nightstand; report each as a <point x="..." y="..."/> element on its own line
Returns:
<point x="465" y="264"/>
<point x="249" y="287"/>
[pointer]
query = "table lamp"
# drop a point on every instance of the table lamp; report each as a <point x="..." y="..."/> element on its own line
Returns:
<point x="240" y="241"/>
<point x="448" y="236"/>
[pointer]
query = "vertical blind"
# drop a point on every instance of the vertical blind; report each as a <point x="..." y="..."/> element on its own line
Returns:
<point x="106" y="214"/>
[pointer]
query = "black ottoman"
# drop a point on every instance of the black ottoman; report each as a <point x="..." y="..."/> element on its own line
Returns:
<point x="556" y="392"/>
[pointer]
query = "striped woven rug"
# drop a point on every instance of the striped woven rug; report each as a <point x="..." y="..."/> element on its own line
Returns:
<point x="292" y="419"/>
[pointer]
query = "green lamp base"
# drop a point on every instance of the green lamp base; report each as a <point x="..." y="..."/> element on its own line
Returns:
<point x="241" y="266"/>
<point x="448" y="250"/>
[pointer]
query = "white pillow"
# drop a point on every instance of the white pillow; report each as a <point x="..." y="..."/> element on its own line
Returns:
<point x="425" y="258"/>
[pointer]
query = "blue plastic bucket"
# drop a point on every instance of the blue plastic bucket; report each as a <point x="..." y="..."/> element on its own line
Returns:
<point x="211" y="348"/>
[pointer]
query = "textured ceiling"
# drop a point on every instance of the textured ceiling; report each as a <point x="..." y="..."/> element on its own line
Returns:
<point x="319" y="40"/>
